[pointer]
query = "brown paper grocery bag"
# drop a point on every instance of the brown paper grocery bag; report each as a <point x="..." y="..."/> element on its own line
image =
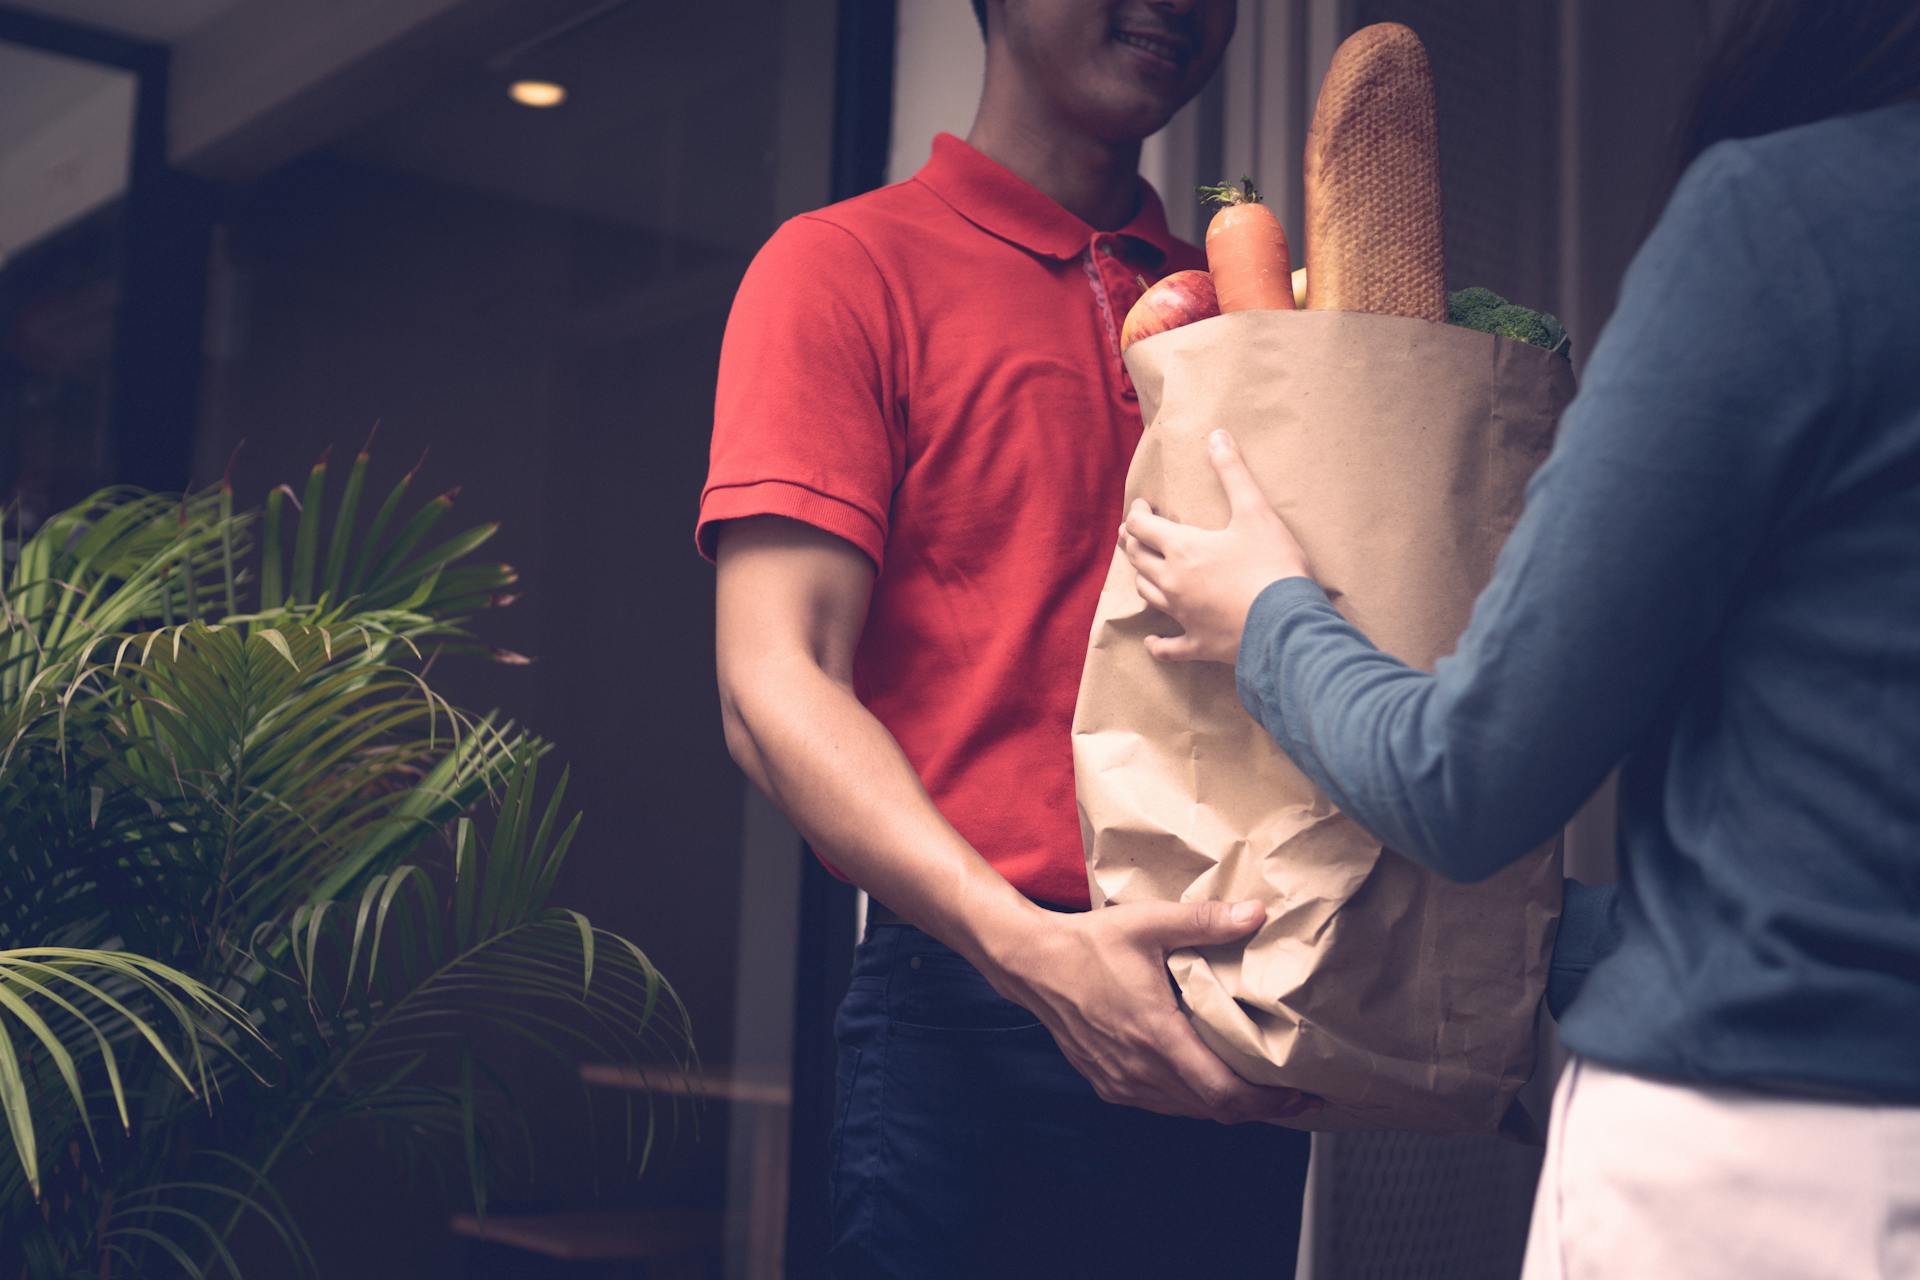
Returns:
<point x="1398" y="450"/>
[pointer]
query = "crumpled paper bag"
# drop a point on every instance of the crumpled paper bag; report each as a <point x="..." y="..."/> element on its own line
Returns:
<point x="1398" y="451"/>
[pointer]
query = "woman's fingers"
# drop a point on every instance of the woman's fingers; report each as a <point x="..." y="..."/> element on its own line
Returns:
<point x="1138" y="551"/>
<point x="1150" y="592"/>
<point x="1147" y="568"/>
<point x="1153" y="532"/>
<point x="1243" y="493"/>
<point x="1146" y="578"/>
<point x="1172" y="648"/>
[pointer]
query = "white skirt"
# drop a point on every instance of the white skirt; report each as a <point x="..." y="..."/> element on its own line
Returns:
<point x="1644" y="1180"/>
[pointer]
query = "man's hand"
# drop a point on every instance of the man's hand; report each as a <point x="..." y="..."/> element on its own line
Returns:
<point x="1207" y="579"/>
<point x="1099" y="982"/>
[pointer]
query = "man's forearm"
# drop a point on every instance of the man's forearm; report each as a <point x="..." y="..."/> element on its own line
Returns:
<point x="839" y="776"/>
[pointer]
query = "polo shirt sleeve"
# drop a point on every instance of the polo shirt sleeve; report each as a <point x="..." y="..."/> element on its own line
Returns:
<point x="807" y="420"/>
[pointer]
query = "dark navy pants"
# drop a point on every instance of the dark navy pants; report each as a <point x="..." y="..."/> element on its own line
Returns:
<point x="966" y="1146"/>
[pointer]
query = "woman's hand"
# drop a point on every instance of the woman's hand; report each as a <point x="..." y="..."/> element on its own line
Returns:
<point x="1206" y="579"/>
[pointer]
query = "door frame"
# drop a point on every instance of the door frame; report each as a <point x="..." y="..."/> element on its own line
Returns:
<point x="828" y="907"/>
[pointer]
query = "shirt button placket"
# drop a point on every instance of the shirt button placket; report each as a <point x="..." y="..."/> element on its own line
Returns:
<point x="1122" y="290"/>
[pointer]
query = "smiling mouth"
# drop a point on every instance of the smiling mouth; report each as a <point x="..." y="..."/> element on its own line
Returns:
<point x="1172" y="52"/>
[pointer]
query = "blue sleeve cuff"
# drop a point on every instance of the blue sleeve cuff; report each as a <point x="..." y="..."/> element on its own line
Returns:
<point x="1270" y="611"/>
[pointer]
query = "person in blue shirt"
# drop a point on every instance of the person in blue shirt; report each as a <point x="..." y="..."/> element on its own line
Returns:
<point x="1715" y="586"/>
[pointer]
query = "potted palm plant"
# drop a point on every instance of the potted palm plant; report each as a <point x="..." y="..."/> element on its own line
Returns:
<point x="259" y="880"/>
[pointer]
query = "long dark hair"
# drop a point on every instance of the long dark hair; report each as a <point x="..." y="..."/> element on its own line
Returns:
<point x="1781" y="63"/>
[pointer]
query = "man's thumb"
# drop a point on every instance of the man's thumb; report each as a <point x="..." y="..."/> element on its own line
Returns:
<point x="1194" y="924"/>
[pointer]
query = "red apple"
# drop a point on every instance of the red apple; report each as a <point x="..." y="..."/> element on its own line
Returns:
<point x="1181" y="298"/>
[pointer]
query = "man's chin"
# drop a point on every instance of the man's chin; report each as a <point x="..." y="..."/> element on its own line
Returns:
<point x="1135" y="121"/>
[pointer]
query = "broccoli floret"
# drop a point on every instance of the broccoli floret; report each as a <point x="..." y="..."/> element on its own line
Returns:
<point x="1469" y="308"/>
<point x="1487" y="311"/>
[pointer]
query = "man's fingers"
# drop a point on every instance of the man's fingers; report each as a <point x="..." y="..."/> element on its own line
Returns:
<point x="1151" y="593"/>
<point x="1302" y="1103"/>
<point x="1177" y="1075"/>
<point x="1227" y="1096"/>
<point x="1147" y="1081"/>
<point x="1171" y="648"/>
<point x="1168" y="1092"/>
<point x="1268" y="1103"/>
<point x="1243" y="493"/>
<point x="1152" y="531"/>
<point x="1172" y="925"/>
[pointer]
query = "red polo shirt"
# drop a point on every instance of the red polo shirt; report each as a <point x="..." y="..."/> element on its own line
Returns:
<point x="932" y="372"/>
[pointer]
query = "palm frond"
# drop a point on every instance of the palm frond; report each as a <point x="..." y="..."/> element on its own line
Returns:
<point x="248" y="850"/>
<point x="369" y="574"/>
<point x="191" y="1214"/>
<point x="294" y="761"/>
<point x="93" y="989"/>
<point x="121" y="559"/>
<point x="404" y="978"/>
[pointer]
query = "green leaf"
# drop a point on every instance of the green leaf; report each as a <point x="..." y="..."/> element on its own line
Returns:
<point x="279" y="643"/>
<point x="17" y="1106"/>
<point x="306" y="536"/>
<point x="166" y="1245"/>
<point x="271" y="591"/>
<point x="342" y="538"/>
<point x="363" y="563"/>
<point x="410" y="534"/>
<point x="586" y="949"/>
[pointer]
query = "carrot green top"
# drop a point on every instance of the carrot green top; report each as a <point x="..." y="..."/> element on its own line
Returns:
<point x="1230" y="193"/>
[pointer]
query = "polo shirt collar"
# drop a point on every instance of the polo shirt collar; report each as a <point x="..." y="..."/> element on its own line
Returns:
<point x="1002" y="203"/>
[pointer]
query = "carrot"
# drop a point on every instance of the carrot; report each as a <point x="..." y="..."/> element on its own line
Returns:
<point x="1247" y="251"/>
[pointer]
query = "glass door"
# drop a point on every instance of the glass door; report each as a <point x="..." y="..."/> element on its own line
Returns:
<point x="66" y="142"/>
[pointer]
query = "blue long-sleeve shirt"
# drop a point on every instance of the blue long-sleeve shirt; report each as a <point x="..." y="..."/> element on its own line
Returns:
<point x="1716" y="580"/>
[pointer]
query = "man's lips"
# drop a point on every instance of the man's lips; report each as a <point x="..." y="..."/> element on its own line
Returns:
<point x="1168" y="49"/>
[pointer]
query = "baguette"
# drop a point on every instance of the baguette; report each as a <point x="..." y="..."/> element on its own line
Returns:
<point x="1372" y="181"/>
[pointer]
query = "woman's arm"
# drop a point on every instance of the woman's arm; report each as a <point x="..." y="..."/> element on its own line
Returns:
<point x="1699" y="416"/>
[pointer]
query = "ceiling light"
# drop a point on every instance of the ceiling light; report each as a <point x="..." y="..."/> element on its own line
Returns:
<point x="537" y="93"/>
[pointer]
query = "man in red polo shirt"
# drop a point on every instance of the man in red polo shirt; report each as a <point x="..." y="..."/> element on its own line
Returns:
<point x="921" y="435"/>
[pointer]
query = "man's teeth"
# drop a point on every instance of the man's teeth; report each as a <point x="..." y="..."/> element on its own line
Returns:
<point x="1162" y="48"/>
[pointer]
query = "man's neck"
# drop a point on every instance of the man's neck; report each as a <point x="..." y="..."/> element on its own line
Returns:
<point x="1097" y="181"/>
